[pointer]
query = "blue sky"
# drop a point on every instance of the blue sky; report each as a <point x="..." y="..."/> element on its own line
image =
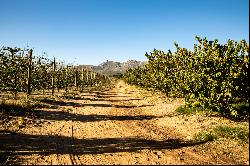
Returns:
<point x="92" y="31"/>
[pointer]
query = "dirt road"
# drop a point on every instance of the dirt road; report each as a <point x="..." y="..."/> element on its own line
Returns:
<point x="122" y="125"/>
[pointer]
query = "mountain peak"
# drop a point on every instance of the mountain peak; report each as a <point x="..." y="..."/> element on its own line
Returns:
<point x="112" y="67"/>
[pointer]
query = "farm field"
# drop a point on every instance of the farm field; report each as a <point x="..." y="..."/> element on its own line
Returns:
<point x="118" y="125"/>
<point x="126" y="82"/>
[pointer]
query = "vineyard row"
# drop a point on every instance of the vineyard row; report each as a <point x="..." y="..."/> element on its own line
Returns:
<point x="20" y="71"/>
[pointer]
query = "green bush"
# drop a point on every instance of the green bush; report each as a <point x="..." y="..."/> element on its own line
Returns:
<point x="212" y="76"/>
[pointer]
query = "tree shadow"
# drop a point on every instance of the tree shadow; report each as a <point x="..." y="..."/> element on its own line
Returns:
<point x="107" y="93"/>
<point x="56" y="115"/>
<point x="130" y="106"/>
<point x="240" y="118"/>
<point x="135" y="93"/>
<point x="101" y="99"/>
<point x="75" y="104"/>
<point x="133" y="99"/>
<point x="14" y="110"/>
<point x="26" y="144"/>
<point x="109" y="96"/>
<point x="60" y="115"/>
<point x="60" y="103"/>
<point x="83" y="98"/>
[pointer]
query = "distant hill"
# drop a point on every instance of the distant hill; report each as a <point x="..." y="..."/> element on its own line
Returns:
<point x="111" y="67"/>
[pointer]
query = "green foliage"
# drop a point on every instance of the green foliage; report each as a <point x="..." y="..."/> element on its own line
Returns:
<point x="14" y="73"/>
<point x="191" y="110"/>
<point x="236" y="133"/>
<point x="205" y="136"/>
<point x="117" y="75"/>
<point x="12" y="78"/>
<point x="212" y="76"/>
<point x="15" y="106"/>
<point x="242" y="110"/>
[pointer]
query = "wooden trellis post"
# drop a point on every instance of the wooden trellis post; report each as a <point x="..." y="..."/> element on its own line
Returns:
<point x="91" y="75"/>
<point x="91" y="78"/>
<point x="53" y="76"/>
<point x="76" y="77"/>
<point x="82" y="74"/>
<point x="29" y="72"/>
<point x="58" y="81"/>
<point x="82" y="78"/>
<point x="94" y="81"/>
<point x="87" y="75"/>
<point x="105" y="78"/>
<point x="66" y="88"/>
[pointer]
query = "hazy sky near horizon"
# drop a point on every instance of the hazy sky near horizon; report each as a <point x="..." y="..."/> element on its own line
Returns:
<point x="92" y="31"/>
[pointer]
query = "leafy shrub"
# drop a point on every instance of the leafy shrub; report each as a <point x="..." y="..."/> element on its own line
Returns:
<point x="212" y="76"/>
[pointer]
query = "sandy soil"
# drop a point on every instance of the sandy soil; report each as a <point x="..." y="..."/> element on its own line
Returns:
<point x="123" y="125"/>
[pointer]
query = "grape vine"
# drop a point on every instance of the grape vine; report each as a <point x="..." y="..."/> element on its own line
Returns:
<point x="14" y="66"/>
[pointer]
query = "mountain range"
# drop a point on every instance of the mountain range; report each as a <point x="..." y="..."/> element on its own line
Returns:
<point x="112" y="67"/>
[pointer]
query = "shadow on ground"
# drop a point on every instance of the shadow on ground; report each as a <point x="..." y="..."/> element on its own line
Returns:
<point x="98" y="99"/>
<point x="75" y="104"/>
<point x="60" y="115"/>
<point x="26" y="144"/>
